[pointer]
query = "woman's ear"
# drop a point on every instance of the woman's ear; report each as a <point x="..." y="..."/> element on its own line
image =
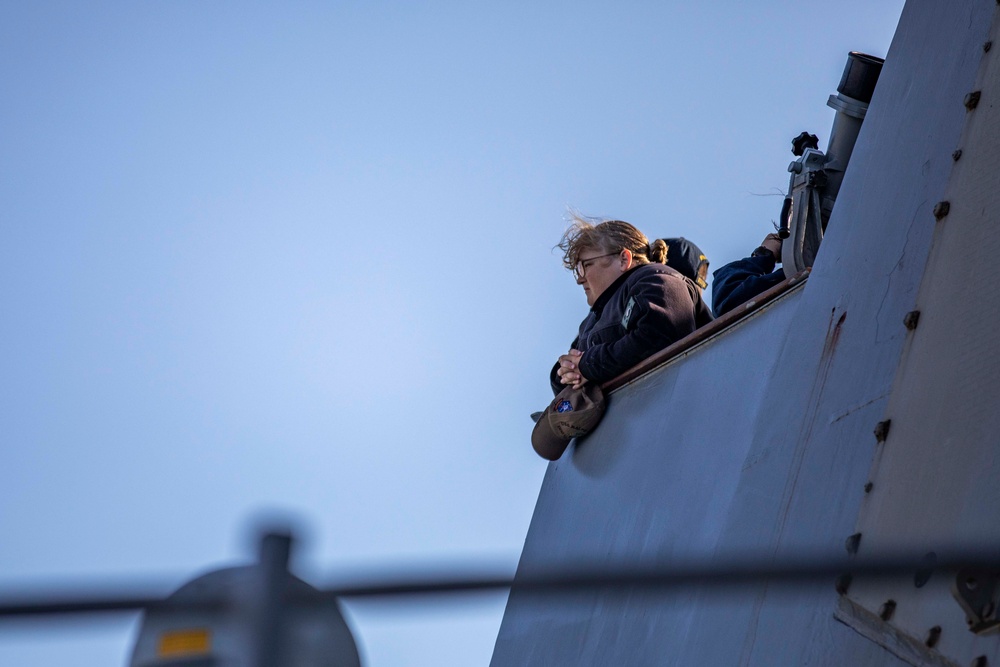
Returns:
<point x="626" y="257"/>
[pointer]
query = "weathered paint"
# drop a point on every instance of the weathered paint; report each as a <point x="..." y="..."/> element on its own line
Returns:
<point x="762" y="438"/>
<point x="936" y="480"/>
<point x="648" y="483"/>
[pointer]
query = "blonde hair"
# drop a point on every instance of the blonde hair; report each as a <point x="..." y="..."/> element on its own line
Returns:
<point x="610" y="236"/>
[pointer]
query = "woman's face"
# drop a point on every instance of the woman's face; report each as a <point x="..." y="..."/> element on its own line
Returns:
<point x="596" y="270"/>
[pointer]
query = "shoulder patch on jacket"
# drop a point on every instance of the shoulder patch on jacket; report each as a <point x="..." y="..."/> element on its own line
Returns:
<point x="628" y="312"/>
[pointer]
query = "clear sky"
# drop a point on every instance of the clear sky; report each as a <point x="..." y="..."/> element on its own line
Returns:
<point x="296" y="258"/>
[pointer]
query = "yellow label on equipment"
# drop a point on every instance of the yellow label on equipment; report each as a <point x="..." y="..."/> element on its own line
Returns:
<point x="194" y="641"/>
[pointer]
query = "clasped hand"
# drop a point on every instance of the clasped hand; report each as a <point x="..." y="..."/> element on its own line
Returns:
<point x="569" y="371"/>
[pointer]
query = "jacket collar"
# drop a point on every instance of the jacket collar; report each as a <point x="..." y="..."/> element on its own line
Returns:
<point x="607" y="294"/>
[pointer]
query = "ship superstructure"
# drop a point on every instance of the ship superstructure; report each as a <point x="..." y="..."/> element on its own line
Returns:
<point x="855" y="409"/>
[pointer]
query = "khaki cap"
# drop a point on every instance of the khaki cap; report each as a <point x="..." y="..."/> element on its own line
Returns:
<point x="571" y="414"/>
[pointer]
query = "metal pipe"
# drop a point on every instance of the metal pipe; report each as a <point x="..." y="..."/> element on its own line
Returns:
<point x="854" y="94"/>
<point x="816" y="177"/>
<point x="736" y="569"/>
<point x="268" y="619"/>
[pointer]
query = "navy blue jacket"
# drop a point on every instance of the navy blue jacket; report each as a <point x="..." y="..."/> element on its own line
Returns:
<point x="739" y="281"/>
<point x="643" y="311"/>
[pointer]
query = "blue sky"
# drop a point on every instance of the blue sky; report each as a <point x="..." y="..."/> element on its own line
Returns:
<point x="296" y="259"/>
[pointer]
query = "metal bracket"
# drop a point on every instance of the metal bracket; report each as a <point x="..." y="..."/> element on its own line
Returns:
<point x="976" y="592"/>
<point x="804" y="223"/>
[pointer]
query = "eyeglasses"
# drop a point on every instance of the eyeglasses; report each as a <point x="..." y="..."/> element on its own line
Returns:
<point x="580" y="270"/>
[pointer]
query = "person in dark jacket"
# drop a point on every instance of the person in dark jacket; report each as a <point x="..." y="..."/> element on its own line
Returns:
<point x="638" y="305"/>
<point x="688" y="259"/>
<point x="739" y="281"/>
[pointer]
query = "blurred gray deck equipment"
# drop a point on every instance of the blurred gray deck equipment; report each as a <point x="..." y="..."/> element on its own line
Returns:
<point x="239" y="616"/>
